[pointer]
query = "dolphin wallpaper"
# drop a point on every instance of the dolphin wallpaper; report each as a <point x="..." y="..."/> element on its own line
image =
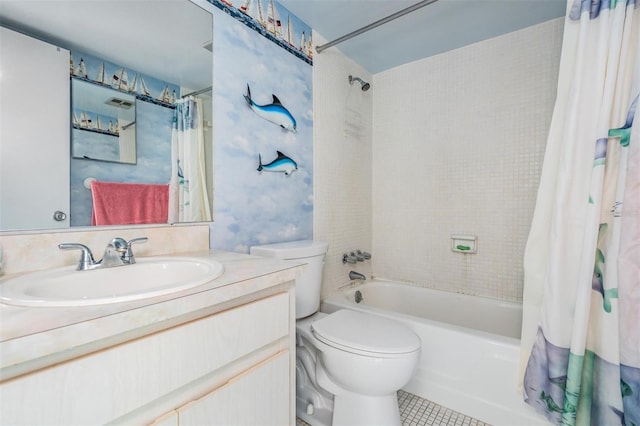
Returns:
<point x="263" y="111"/>
<point x="282" y="163"/>
<point x="274" y="112"/>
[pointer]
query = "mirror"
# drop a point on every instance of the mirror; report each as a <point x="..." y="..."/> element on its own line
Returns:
<point x="139" y="40"/>
<point x="103" y="123"/>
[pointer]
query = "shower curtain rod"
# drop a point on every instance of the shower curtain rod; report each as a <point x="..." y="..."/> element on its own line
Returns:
<point x="198" y="92"/>
<point x="375" y="24"/>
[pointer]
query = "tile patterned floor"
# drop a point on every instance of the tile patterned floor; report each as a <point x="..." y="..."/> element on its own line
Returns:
<point x="416" y="411"/>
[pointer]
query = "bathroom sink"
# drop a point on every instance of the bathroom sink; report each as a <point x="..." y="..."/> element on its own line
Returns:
<point x="149" y="277"/>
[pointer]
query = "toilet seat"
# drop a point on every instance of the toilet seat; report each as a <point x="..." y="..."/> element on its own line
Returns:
<point x="365" y="334"/>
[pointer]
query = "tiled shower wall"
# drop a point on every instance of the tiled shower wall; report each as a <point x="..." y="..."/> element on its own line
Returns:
<point x="342" y="163"/>
<point x="457" y="149"/>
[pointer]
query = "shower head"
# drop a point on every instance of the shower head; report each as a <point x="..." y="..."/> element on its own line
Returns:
<point x="365" y="86"/>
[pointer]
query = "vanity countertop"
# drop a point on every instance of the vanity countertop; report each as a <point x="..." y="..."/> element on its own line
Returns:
<point x="34" y="338"/>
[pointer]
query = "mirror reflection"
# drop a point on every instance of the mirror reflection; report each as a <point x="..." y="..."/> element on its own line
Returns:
<point x="160" y="67"/>
<point x="103" y="123"/>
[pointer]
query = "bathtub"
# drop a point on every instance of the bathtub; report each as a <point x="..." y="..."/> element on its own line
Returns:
<point x="470" y="347"/>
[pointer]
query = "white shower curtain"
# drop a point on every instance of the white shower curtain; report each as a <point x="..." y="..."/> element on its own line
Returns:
<point x="581" y="323"/>
<point x="188" y="199"/>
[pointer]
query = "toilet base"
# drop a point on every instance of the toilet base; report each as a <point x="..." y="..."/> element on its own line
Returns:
<point x="319" y="417"/>
<point x="360" y="410"/>
<point x="314" y="405"/>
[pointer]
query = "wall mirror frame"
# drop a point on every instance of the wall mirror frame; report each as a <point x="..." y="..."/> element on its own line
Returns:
<point x="137" y="38"/>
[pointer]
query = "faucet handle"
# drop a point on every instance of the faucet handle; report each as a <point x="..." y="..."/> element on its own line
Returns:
<point x="364" y="254"/>
<point x="137" y="240"/>
<point x="128" y="256"/>
<point x="349" y="258"/>
<point x="86" y="257"/>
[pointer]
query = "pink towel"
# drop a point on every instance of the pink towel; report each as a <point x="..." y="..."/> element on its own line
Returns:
<point x="129" y="203"/>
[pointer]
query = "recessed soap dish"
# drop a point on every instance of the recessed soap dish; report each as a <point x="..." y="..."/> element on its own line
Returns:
<point x="464" y="244"/>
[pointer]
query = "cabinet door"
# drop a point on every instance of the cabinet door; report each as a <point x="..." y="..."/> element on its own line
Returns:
<point x="259" y="396"/>
<point x="34" y="135"/>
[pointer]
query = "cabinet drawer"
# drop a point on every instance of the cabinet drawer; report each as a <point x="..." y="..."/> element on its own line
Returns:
<point x="259" y="396"/>
<point x="105" y="385"/>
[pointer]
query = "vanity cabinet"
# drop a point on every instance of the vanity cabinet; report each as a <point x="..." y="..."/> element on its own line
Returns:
<point x="229" y="367"/>
<point x="256" y="397"/>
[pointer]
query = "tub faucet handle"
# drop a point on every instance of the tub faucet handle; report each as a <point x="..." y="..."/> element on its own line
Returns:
<point x="349" y="258"/>
<point x="364" y="254"/>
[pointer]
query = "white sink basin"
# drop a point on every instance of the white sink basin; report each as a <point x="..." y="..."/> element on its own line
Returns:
<point x="149" y="277"/>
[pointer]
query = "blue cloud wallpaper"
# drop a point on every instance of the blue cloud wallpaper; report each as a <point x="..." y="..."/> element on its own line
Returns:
<point x="258" y="207"/>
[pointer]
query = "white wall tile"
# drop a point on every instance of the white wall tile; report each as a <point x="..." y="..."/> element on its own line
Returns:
<point x="458" y="143"/>
<point x="342" y="163"/>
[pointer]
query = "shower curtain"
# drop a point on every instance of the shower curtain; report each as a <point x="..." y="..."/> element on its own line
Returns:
<point x="581" y="324"/>
<point x="188" y="199"/>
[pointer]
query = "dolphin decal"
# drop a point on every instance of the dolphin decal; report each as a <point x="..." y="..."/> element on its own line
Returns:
<point x="274" y="112"/>
<point x="282" y="163"/>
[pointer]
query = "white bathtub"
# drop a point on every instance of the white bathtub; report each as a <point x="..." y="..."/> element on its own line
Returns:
<point x="470" y="347"/>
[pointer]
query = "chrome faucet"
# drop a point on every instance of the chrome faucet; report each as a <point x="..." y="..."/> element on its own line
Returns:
<point x="349" y="258"/>
<point x="127" y="254"/>
<point x="117" y="253"/>
<point x="357" y="256"/>
<point x="353" y="275"/>
<point x="362" y="255"/>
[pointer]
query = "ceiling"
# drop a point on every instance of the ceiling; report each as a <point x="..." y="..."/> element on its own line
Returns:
<point x="436" y="28"/>
<point x="430" y="30"/>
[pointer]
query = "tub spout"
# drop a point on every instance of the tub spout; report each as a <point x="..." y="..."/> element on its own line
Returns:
<point x="353" y="275"/>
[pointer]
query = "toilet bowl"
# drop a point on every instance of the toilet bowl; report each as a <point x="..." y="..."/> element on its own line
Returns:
<point x="349" y="365"/>
<point x="362" y="360"/>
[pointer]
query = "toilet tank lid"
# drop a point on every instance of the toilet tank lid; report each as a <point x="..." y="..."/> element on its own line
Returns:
<point x="291" y="249"/>
<point x="366" y="332"/>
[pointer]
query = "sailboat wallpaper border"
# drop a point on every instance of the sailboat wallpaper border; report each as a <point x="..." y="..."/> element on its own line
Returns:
<point x="143" y="86"/>
<point x="267" y="22"/>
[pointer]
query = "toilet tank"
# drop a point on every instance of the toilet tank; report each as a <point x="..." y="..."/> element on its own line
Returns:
<point x="308" y="284"/>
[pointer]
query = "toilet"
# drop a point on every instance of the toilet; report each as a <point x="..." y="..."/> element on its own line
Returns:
<point x="349" y="364"/>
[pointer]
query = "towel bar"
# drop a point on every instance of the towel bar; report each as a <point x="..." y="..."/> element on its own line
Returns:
<point x="87" y="182"/>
